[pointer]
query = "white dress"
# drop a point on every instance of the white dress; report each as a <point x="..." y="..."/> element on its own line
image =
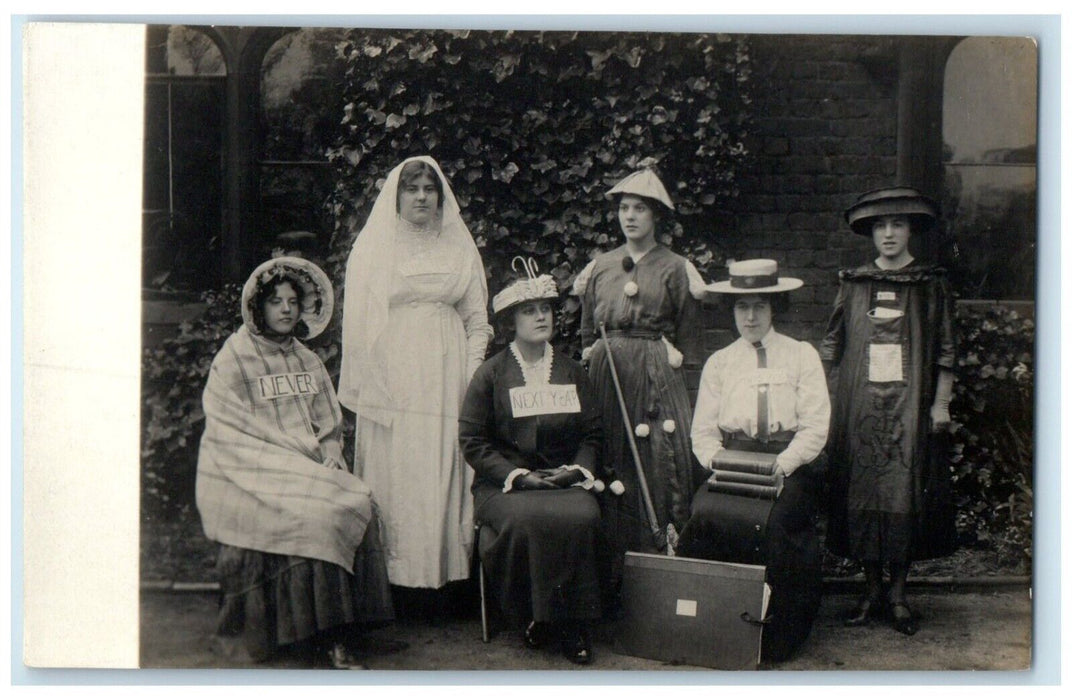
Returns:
<point x="435" y="336"/>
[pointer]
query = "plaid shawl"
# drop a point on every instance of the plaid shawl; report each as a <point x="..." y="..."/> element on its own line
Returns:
<point x="270" y="473"/>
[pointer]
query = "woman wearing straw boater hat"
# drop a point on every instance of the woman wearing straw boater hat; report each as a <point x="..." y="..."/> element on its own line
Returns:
<point x="640" y="318"/>
<point x="531" y="431"/>
<point x="766" y="393"/>
<point x="891" y="338"/>
<point x="300" y="560"/>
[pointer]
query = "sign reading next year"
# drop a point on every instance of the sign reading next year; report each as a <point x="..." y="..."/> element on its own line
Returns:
<point x="544" y="400"/>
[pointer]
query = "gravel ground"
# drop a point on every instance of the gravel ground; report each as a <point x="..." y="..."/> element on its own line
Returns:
<point x="989" y="630"/>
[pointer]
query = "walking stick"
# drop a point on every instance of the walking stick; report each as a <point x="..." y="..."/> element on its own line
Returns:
<point x="649" y="507"/>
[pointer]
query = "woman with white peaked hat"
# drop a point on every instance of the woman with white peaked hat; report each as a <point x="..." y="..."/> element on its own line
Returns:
<point x="646" y="299"/>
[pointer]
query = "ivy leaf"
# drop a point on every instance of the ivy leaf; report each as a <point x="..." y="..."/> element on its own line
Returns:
<point x="506" y="173"/>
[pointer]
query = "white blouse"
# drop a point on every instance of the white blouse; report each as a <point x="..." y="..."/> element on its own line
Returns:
<point x="798" y="400"/>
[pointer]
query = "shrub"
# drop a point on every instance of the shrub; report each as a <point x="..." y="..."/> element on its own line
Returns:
<point x="532" y="128"/>
<point x="993" y="430"/>
<point x="173" y="378"/>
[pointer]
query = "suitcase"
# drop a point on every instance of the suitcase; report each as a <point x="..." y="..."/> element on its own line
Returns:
<point x="692" y="611"/>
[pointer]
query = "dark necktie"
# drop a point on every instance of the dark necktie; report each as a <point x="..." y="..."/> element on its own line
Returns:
<point x="763" y="417"/>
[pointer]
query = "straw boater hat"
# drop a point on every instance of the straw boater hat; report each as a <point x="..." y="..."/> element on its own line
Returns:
<point x="318" y="301"/>
<point x="644" y="183"/>
<point x="533" y="288"/>
<point x="891" y="201"/>
<point x="755" y="277"/>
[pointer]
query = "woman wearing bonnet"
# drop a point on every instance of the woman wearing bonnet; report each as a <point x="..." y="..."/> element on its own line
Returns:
<point x="300" y="560"/>
<point x="648" y="299"/>
<point x="531" y="431"/>
<point x="415" y="329"/>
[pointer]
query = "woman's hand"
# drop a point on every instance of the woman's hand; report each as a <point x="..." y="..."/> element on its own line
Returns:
<point x="532" y="482"/>
<point x="779" y="477"/>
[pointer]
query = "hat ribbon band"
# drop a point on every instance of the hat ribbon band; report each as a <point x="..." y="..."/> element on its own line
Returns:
<point x="753" y="281"/>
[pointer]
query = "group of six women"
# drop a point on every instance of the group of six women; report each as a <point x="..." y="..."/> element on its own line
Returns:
<point x="525" y="444"/>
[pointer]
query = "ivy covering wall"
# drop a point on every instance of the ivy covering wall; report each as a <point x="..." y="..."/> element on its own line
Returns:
<point x="533" y="128"/>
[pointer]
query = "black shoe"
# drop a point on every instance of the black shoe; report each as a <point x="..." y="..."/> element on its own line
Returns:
<point x="866" y="610"/>
<point x="903" y="617"/>
<point x="577" y="646"/>
<point x="537" y="635"/>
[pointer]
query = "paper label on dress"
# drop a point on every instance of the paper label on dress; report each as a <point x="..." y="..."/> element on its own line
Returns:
<point x="886" y="296"/>
<point x="277" y="386"/>
<point x="885" y="312"/>
<point x="884" y="363"/>
<point x="544" y="400"/>
<point x="767" y="375"/>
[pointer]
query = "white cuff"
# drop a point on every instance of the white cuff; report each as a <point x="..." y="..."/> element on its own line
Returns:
<point x="789" y="463"/>
<point x="509" y="485"/>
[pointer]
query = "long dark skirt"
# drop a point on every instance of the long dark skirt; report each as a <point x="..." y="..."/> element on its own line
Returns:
<point x="539" y="549"/>
<point x="790" y="551"/>
<point x="654" y="393"/>
<point x="274" y="600"/>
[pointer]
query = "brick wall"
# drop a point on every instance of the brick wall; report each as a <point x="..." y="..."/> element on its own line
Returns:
<point x="825" y="131"/>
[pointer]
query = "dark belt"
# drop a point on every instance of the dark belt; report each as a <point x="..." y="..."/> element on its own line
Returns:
<point x="739" y="441"/>
<point x="644" y="335"/>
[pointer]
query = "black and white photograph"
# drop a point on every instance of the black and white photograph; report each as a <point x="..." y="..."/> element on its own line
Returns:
<point x="577" y="349"/>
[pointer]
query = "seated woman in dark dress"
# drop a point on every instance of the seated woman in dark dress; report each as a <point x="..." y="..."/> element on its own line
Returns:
<point x="766" y="393"/>
<point x="531" y="431"/>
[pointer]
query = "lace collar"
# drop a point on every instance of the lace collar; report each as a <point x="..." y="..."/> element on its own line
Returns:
<point x="432" y="227"/>
<point x="538" y="372"/>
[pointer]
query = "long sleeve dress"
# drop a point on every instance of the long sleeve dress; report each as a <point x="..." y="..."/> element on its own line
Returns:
<point x="435" y="336"/>
<point x="890" y="334"/>
<point x="539" y="547"/>
<point x="652" y="320"/>
<point x="299" y="538"/>
<point x="798" y="420"/>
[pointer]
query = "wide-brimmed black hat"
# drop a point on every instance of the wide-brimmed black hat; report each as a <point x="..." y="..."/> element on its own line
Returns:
<point x="891" y="201"/>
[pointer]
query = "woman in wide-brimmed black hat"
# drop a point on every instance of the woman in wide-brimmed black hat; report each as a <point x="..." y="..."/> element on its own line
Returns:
<point x="891" y="338"/>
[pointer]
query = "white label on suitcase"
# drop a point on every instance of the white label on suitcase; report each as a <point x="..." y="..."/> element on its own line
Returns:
<point x="686" y="607"/>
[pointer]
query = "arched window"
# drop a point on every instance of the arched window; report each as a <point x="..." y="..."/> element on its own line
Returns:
<point x="300" y="111"/>
<point x="182" y="210"/>
<point x="989" y="157"/>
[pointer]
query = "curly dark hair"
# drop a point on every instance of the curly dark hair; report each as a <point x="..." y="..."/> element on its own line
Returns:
<point x="265" y="289"/>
